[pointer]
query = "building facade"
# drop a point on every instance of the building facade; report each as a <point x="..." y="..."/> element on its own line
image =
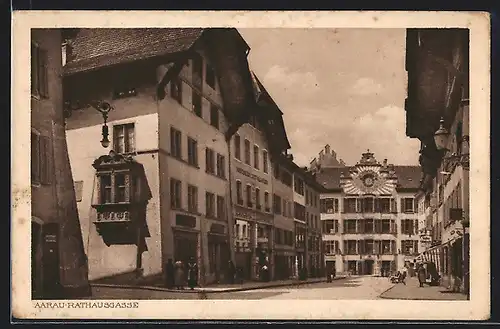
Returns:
<point x="255" y="146"/>
<point x="59" y="265"/>
<point x="163" y="191"/>
<point x="369" y="216"/>
<point x="284" y="222"/>
<point x="437" y="113"/>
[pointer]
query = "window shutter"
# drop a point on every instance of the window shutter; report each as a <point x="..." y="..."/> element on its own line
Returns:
<point x="34" y="70"/>
<point x="393" y="247"/>
<point x="43" y="159"/>
<point x="43" y="73"/>
<point x="361" y="226"/>
<point x="376" y="247"/>
<point x="35" y="158"/>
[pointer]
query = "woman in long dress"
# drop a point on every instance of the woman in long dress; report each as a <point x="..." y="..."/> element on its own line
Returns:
<point x="179" y="275"/>
<point x="192" y="274"/>
<point x="421" y="274"/>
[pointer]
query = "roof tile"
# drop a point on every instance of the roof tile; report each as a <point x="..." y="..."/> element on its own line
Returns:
<point x="96" y="48"/>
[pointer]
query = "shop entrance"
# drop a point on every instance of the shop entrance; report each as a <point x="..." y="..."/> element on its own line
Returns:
<point x="368" y="268"/>
<point x="330" y="266"/>
<point x="386" y="268"/>
<point x="185" y="245"/>
<point x="352" y="267"/>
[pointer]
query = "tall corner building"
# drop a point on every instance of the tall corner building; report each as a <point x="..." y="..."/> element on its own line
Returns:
<point x="368" y="214"/>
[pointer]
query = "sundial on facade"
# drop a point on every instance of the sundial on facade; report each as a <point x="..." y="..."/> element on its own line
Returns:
<point x="369" y="177"/>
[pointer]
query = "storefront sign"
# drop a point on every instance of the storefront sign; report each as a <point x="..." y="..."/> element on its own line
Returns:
<point x="185" y="220"/>
<point x="244" y="214"/>
<point x="253" y="176"/>
<point x="218" y="228"/>
<point x="425" y="238"/>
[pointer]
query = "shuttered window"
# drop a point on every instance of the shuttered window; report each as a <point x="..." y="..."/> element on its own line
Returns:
<point x="41" y="159"/>
<point x="39" y="72"/>
<point x="35" y="158"/>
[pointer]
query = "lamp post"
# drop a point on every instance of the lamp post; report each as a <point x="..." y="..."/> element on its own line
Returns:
<point x="103" y="108"/>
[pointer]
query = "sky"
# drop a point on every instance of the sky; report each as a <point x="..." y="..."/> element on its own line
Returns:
<point x="342" y="87"/>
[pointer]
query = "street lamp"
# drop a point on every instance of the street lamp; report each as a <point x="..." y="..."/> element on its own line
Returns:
<point x="441" y="137"/>
<point x="104" y="108"/>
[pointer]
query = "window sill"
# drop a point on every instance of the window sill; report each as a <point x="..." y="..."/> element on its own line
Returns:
<point x="215" y="175"/>
<point x="180" y="159"/>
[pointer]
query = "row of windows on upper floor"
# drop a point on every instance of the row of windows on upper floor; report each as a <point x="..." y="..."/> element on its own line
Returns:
<point x="370" y="226"/>
<point x="215" y="205"/>
<point x="367" y="205"/>
<point x="281" y="206"/>
<point x="370" y="247"/>
<point x="257" y="163"/>
<point x="215" y="163"/>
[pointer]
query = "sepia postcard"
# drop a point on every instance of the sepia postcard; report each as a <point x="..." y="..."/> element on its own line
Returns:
<point x="250" y="165"/>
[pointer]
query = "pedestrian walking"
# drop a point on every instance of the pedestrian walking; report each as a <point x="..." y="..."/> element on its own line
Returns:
<point x="264" y="273"/>
<point x="169" y="274"/>
<point x="179" y="275"/>
<point x="231" y="271"/>
<point x="421" y="274"/>
<point x="192" y="273"/>
<point x="404" y="273"/>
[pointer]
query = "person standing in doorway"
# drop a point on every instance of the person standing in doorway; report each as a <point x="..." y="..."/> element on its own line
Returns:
<point x="404" y="273"/>
<point x="230" y="272"/>
<point x="169" y="274"/>
<point x="192" y="273"/>
<point x="179" y="275"/>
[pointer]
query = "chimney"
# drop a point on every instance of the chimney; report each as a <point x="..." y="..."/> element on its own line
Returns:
<point x="385" y="162"/>
<point x="327" y="149"/>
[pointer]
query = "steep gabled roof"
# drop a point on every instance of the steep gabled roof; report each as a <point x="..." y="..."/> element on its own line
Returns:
<point x="275" y="126"/>
<point x="94" y="48"/>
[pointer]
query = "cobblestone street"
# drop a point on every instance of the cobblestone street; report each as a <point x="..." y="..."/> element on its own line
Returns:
<point x="355" y="288"/>
<point x="412" y="291"/>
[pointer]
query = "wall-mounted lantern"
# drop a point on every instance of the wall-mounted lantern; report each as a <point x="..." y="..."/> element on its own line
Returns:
<point x="441" y="137"/>
<point x="104" y="108"/>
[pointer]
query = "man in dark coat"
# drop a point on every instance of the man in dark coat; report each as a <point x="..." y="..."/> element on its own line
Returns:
<point x="169" y="274"/>
<point x="421" y="274"/>
<point x="192" y="273"/>
<point x="231" y="271"/>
